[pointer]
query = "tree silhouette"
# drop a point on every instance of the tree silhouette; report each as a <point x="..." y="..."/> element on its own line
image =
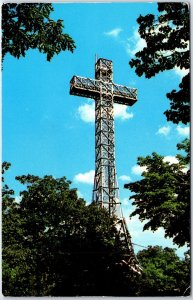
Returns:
<point x="29" y="26"/>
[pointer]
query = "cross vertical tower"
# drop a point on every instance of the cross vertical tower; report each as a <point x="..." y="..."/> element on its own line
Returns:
<point x="106" y="93"/>
<point x="105" y="191"/>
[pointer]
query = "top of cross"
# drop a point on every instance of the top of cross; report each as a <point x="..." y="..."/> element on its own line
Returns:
<point x="104" y="70"/>
<point x="91" y="88"/>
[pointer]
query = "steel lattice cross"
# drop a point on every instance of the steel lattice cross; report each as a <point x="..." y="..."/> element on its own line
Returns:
<point x="106" y="93"/>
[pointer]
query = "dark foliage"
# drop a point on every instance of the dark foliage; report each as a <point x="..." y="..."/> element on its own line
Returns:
<point x="167" y="37"/>
<point x="29" y="26"/>
<point x="162" y="196"/>
<point x="53" y="244"/>
<point x="164" y="273"/>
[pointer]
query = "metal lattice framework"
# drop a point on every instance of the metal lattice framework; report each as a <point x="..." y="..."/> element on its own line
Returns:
<point x="106" y="93"/>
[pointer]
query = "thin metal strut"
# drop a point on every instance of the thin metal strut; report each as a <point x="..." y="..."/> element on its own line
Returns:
<point x="106" y="191"/>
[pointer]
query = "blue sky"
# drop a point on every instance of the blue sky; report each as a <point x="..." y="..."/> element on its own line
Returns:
<point x="48" y="132"/>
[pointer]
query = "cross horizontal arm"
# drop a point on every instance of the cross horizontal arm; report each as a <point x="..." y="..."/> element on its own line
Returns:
<point x="90" y="88"/>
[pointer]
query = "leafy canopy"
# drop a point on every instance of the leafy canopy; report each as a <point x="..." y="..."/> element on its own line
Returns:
<point x="164" y="273"/>
<point x="167" y="47"/>
<point x="55" y="244"/>
<point x="29" y="26"/>
<point x="162" y="196"/>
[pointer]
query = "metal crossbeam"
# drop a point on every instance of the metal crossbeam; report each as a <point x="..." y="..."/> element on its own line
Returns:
<point x="106" y="93"/>
<point x="82" y="86"/>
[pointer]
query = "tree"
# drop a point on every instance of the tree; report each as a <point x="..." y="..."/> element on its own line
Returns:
<point x="9" y="211"/>
<point x="64" y="248"/>
<point x="29" y="26"/>
<point x="56" y="245"/>
<point x="164" y="273"/>
<point x="13" y="256"/>
<point x="167" y="37"/>
<point x="162" y="196"/>
<point x="15" y="268"/>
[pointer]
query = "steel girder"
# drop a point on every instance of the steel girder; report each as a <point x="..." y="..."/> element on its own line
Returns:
<point x="106" y="191"/>
<point x="86" y="87"/>
<point x="105" y="186"/>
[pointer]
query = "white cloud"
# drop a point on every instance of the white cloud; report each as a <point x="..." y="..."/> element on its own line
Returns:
<point x="135" y="43"/>
<point x="181" y="72"/>
<point x="138" y="170"/>
<point x="87" y="112"/>
<point x="174" y="160"/>
<point x="18" y="199"/>
<point x="185" y="170"/>
<point x="134" y="225"/>
<point x="171" y="159"/>
<point x="114" y="32"/>
<point x="121" y="111"/>
<point x="148" y="237"/>
<point x="125" y="201"/>
<point x="165" y="130"/>
<point x="184" y="131"/>
<point x="125" y="178"/>
<point x="80" y="195"/>
<point x="87" y="177"/>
